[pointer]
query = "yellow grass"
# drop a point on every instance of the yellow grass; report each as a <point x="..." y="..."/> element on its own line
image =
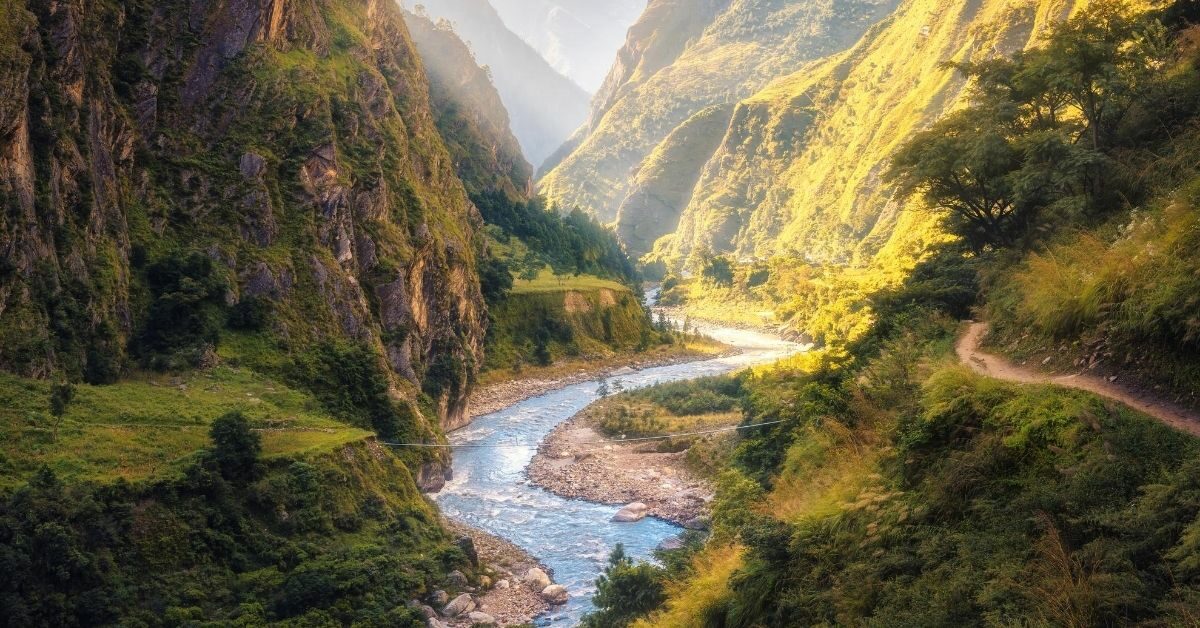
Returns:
<point x="688" y="599"/>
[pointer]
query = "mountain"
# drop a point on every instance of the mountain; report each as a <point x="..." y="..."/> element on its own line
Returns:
<point x="681" y="58"/>
<point x="284" y="155"/>
<point x="577" y="37"/>
<point x="798" y="172"/>
<point x="545" y="107"/>
<point x="469" y="112"/>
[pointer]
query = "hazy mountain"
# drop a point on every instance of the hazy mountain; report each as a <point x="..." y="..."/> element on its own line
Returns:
<point x="469" y="111"/>
<point x="578" y="37"/>
<point x="545" y="107"/>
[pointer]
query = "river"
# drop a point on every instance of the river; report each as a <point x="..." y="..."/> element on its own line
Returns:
<point x="572" y="537"/>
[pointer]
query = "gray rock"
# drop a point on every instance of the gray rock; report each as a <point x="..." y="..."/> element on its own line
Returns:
<point x="439" y="598"/>
<point x="436" y="623"/>
<point x="537" y="579"/>
<point x="467" y="545"/>
<point x="457" y="579"/>
<point x="503" y="584"/>
<point x="478" y="618"/>
<point x="672" y="543"/>
<point x="555" y="594"/>
<point x="459" y="606"/>
<point x="633" y="512"/>
<point x="697" y="523"/>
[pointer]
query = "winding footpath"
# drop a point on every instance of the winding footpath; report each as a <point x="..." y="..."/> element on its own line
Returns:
<point x="984" y="363"/>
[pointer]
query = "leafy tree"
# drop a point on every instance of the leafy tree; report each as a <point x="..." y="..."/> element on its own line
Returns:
<point x="187" y="311"/>
<point x="235" y="447"/>
<point x="719" y="270"/>
<point x="626" y="591"/>
<point x="61" y="394"/>
<point x="495" y="279"/>
<point x="965" y="166"/>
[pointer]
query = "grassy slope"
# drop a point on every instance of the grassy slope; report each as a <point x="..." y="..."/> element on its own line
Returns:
<point x="919" y="493"/>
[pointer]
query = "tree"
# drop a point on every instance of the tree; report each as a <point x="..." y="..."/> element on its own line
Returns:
<point x="626" y="591"/>
<point x="235" y="447"/>
<point x="61" y="395"/>
<point x="719" y="271"/>
<point x="965" y="165"/>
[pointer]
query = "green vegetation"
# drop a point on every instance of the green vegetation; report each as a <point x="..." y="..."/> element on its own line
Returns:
<point x="331" y="539"/>
<point x="902" y="488"/>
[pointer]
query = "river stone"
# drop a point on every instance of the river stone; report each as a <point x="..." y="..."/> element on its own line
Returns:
<point x="697" y="523"/>
<point x="439" y="598"/>
<point x="481" y="619"/>
<point x="435" y="623"/>
<point x="555" y="594"/>
<point x="459" y="605"/>
<point x="457" y="579"/>
<point x="425" y="610"/>
<point x="633" y="512"/>
<point x="467" y="545"/>
<point x="537" y="579"/>
<point x="503" y="584"/>
<point x="672" y="543"/>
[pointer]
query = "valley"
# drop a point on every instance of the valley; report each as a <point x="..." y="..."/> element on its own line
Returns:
<point x="644" y="313"/>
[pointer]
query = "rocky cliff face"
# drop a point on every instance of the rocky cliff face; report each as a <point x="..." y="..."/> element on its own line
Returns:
<point x="684" y="57"/>
<point x="292" y="142"/>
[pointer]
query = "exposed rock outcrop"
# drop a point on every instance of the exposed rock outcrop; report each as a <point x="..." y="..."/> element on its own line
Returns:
<point x="305" y="162"/>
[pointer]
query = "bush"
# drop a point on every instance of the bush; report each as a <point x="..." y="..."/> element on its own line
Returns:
<point x="235" y="447"/>
<point x="626" y="591"/>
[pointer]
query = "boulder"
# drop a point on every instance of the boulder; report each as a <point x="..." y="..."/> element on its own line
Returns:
<point x="502" y="584"/>
<point x="439" y="598"/>
<point x="555" y="594"/>
<point x="425" y="610"/>
<point x="697" y="523"/>
<point x="436" y="623"/>
<point x="672" y="543"/>
<point x="537" y="579"/>
<point x="467" y="545"/>
<point x="459" y="606"/>
<point x="481" y="619"/>
<point x="457" y="579"/>
<point x="633" y="512"/>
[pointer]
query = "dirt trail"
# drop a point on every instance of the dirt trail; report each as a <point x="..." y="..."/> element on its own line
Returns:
<point x="970" y="354"/>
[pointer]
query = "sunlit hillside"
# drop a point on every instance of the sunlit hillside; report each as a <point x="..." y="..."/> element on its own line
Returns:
<point x="799" y="170"/>
<point x="744" y="47"/>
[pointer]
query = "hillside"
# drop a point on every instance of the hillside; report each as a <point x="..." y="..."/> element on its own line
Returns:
<point x="469" y="112"/>
<point x="904" y="475"/>
<point x="544" y="106"/>
<point x="235" y="250"/>
<point x="577" y="37"/>
<point x="799" y="171"/>
<point x="681" y="59"/>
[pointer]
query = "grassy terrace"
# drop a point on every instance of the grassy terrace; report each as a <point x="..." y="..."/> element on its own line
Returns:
<point x="547" y="281"/>
<point x="150" y="424"/>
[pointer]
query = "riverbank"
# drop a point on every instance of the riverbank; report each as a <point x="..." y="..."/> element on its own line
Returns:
<point x="507" y="598"/>
<point x="500" y="391"/>
<point x="571" y="464"/>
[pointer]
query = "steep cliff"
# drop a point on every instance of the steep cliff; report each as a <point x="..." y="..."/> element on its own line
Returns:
<point x="545" y="106"/>
<point x="798" y="172"/>
<point x="682" y="58"/>
<point x="469" y="112"/>
<point x="290" y="144"/>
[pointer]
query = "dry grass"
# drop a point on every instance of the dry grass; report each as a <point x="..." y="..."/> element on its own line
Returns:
<point x="689" y="599"/>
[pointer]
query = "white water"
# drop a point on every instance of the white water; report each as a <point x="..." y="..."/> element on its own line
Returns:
<point x="572" y="537"/>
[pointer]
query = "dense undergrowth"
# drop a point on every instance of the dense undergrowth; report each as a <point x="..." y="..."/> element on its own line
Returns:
<point x="903" y="489"/>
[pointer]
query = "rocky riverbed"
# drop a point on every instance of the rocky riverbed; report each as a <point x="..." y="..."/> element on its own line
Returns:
<point x="510" y="589"/>
<point x="570" y="463"/>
